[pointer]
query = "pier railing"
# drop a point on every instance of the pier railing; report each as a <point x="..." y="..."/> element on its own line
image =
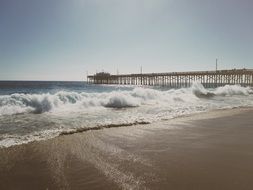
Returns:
<point x="243" y="77"/>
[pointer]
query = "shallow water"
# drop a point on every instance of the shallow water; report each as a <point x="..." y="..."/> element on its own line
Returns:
<point x="204" y="151"/>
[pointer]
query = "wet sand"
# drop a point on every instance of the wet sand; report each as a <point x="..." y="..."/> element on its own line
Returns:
<point x="204" y="151"/>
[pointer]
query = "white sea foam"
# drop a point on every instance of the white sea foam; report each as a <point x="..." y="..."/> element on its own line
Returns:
<point x="42" y="116"/>
<point x="229" y="90"/>
<point x="71" y="101"/>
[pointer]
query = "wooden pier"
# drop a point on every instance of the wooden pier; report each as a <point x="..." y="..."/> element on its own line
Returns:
<point x="243" y="77"/>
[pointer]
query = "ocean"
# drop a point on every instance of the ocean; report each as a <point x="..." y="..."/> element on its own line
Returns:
<point x="35" y="110"/>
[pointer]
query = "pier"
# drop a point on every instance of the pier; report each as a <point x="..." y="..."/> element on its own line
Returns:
<point x="209" y="79"/>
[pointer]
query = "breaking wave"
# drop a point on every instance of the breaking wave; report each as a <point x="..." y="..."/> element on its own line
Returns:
<point x="43" y="116"/>
<point x="74" y="101"/>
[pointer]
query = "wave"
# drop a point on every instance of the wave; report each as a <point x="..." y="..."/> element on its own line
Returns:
<point x="66" y="112"/>
<point x="9" y="140"/>
<point x="80" y="130"/>
<point x="74" y="101"/>
<point x="229" y="90"/>
<point x="199" y="90"/>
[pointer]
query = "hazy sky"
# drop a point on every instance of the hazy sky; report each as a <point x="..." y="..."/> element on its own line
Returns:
<point x="62" y="39"/>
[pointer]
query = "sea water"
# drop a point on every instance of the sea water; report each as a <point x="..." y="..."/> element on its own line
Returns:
<point x="31" y="111"/>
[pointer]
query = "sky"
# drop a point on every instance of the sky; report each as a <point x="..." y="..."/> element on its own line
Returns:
<point x="65" y="39"/>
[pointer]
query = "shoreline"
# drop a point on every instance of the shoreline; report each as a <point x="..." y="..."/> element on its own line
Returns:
<point x="210" y="150"/>
<point x="197" y="115"/>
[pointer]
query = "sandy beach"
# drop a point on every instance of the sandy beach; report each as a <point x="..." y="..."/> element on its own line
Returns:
<point x="203" y="151"/>
<point x="126" y="95"/>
